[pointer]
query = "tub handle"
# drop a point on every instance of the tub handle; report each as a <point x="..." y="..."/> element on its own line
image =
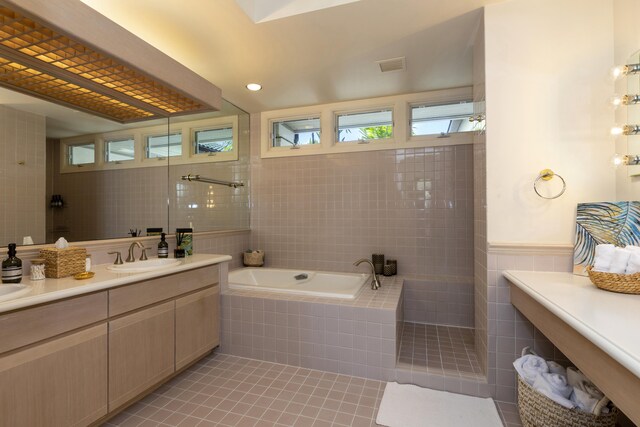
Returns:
<point x="301" y="276"/>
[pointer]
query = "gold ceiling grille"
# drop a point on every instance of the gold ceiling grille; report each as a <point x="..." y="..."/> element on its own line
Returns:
<point x="28" y="80"/>
<point x="39" y="59"/>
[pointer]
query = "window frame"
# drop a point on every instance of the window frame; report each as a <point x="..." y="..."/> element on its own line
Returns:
<point x="364" y="111"/>
<point x="402" y="138"/>
<point x="140" y="134"/>
<point x="66" y="165"/>
<point x="212" y="124"/>
<point x="306" y="147"/>
<point x="413" y="105"/>
<point x="106" y="138"/>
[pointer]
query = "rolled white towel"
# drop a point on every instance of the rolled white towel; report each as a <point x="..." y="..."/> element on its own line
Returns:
<point x="619" y="261"/>
<point x="633" y="266"/>
<point x="556" y="368"/>
<point x="530" y="366"/>
<point x="632" y="248"/>
<point x="555" y="387"/>
<point x="604" y="254"/>
<point x="585" y="395"/>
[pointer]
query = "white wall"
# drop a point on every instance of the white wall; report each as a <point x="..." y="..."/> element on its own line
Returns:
<point x="626" y="42"/>
<point x="547" y="85"/>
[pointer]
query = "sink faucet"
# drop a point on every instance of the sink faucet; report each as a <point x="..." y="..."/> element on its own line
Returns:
<point x="375" y="283"/>
<point x="131" y="257"/>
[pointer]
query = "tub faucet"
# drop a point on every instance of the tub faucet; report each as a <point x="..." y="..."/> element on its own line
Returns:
<point x="131" y="257"/>
<point x="375" y="283"/>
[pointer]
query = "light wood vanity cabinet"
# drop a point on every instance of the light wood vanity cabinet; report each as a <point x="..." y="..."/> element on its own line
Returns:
<point x="141" y="352"/>
<point x="73" y="362"/>
<point x="53" y="376"/>
<point x="159" y="326"/>
<point x="197" y="325"/>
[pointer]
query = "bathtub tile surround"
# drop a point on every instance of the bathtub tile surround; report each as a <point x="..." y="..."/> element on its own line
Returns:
<point x="234" y="391"/>
<point x="351" y="337"/>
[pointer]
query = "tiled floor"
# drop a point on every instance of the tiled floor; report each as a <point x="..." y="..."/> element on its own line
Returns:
<point x="444" y="350"/>
<point x="509" y="414"/>
<point x="223" y="390"/>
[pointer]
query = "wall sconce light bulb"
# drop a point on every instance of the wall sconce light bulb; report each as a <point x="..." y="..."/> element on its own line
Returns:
<point x="618" y="160"/>
<point x="623" y="70"/>
<point x="617" y="130"/>
<point x="615" y="101"/>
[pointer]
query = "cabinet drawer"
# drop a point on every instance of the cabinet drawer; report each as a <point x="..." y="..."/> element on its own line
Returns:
<point x="197" y="325"/>
<point x="30" y="325"/>
<point x="137" y="295"/>
<point x="62" y="382"/>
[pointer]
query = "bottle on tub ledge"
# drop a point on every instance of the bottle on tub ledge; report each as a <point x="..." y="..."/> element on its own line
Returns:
<point x="12" y="266"/>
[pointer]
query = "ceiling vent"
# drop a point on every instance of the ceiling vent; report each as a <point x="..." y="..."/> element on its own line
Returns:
<point x="393" y="64"/>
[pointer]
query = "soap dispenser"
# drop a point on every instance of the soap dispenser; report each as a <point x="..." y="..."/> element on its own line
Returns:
<point x="163" y="247"/>
<point x="12" y="267"/>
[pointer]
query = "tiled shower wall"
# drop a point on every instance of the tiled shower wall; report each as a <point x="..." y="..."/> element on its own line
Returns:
<point x="324" y="212"/>
<point x="22" y="176"/>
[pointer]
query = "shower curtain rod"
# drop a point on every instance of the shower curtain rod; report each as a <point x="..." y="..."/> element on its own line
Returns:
<point x="211" y="181"/>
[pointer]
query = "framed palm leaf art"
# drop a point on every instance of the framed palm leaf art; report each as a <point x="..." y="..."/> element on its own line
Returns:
<point x="617" y="223"/>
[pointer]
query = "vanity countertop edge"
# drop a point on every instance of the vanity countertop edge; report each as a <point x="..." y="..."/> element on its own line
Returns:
<point x="49" y="290"/>
<point x="611" y="321"/>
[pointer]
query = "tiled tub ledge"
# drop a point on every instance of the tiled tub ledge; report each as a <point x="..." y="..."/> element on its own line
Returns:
<point x="357" y="337"/>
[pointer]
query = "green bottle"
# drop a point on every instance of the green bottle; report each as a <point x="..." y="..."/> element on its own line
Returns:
<point x="12" y="267"/>
<point x="163" y="247"/>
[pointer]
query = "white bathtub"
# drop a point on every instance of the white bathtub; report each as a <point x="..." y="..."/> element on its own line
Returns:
<point x="316" y="283"/>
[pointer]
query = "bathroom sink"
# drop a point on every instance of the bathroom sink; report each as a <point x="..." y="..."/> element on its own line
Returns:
<point x="12" y="290"/>
<point x="147" y="265"/>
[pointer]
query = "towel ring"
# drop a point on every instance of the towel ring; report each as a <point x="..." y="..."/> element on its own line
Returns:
<point x="547" y="175"/>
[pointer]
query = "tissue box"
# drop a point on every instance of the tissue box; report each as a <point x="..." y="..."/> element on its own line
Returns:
<point x="63" y="262"/>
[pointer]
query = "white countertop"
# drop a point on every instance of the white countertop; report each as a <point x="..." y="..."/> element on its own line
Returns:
<point x="609" y="320"/>
<point x="47" y="290"/>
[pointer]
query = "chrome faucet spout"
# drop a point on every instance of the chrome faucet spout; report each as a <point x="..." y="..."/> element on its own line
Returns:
<point x="375" y="283"/>
<point x="130" y="256"/>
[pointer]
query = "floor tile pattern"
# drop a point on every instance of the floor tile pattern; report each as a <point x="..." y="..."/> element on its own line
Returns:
<point x="223" y="390"/>
<point x="436" y="349"/>
<point x="509" y="414"/>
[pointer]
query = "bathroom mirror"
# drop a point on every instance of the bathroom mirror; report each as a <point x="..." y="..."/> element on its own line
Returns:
<point x="68" y="173"/>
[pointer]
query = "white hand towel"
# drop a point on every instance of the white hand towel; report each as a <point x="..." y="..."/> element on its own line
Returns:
<point x="602" y="261"/>
<point x="555" y="387"/>
<point x="619" y="261"/>
<point x="633" y="266"/>
<point x="632" y="248"/>
<point x="585" y="394"/>
<point x="556" y="368"/>
<point x="529" y="367"/>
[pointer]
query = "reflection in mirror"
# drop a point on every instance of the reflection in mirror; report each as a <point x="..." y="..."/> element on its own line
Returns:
<point x="70" y="174"/>
<point x="218" y="149"/>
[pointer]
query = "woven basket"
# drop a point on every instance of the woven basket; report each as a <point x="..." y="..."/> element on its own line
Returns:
<point x="537" y="410"/>
<point x="63" y="262"/>
<point x="253" y="259"/>
<point x="623" y="283"/>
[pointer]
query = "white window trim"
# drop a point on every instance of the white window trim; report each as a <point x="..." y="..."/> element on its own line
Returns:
<point x="187" y="129"/>
<point x="401" y="106"/>
<point x="306" y="147"/>
<point x="65" y="166"/>
<point x="102" y="142"/>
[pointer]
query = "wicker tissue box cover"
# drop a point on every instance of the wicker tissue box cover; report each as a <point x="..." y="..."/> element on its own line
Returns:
<point x="63" y="262"/>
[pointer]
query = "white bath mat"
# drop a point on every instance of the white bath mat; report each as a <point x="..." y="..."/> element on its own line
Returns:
<point x="407" y="405"/>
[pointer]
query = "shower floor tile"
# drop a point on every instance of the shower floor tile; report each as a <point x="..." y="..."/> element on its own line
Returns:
<point x="224" y="390"/>
<point x="439" y="350"/>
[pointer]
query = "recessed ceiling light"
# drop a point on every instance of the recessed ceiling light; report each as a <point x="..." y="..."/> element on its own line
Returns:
<point x="254" y="87"/>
